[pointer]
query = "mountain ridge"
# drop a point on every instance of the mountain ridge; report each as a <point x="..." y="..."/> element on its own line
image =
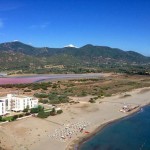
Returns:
<point x="20" y="44"/>
<point x="87" y="56"/>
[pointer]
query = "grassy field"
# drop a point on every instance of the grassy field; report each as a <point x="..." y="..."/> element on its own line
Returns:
<point x="59" y="91"/>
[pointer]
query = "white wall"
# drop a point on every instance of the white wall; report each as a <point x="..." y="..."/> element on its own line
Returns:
<point x="20" y="103"/>
<point x="9" y="96"/>
<point x="2" y="108"/>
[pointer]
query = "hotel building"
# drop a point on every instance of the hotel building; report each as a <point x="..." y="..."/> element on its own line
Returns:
<point x="16" y="103"/>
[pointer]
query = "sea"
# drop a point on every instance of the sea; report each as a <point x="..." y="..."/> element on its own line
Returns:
<point x="130" y="133"/>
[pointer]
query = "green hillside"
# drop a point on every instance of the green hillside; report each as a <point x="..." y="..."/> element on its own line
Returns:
<point x="89" y="58"/>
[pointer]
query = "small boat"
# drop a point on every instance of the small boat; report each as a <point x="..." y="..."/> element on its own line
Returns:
<point x="87" y="132"/>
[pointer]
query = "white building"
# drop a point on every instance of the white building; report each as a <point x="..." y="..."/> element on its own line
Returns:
<point x="2" y="107"/>
<point x="16" y="103"/>
<point x="3" y="74"/>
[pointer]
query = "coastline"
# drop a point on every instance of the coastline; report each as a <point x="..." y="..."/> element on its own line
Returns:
<point x="29" y="133"/>
<point x="75" y="144"/>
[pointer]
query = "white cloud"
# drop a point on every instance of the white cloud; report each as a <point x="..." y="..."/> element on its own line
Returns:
<point x="33" y="27"/>
<point x="40" y="26"/>
<point x="44" y="25"/>
<point x="70" y="45"/>
<point x="1" y="23"/>
<point x="16" y="41"/>
<point x="8" y="6"/>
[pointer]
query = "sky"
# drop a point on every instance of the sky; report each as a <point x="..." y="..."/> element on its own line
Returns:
<point x="123" y="24"/>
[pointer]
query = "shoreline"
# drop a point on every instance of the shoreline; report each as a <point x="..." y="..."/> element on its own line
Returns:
<point x="75" y="144"/>
<point x="53" y="74"/>
<point x="37" y="78"/>
<point x="29" y="133"/>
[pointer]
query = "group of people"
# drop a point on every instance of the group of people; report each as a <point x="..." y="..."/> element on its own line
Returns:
<point x="69" y="130"/>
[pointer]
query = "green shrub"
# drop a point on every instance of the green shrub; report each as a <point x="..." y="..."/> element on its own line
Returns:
<point x="1" y="119"/>
<point x="59" y="111"/>
<point x="108" y="95"/>
<point x="92" y="100"/>
<point x="44" y="101"/>
<point x="25" y="110"/>
<point x="27" y="114"/>
<point x="126" y="95"/>
<point x="83" y="93"/>
<point x="34" y="110"/>
<point x="41" y="95"/>
<point x="14" y="117"/>
<point x="9" y="118"/>
<point x="37" y="109"/>
<point x="27" y="90"/>
<point x="54" y="86"/>
<point x="20" y="115"/>
<point x="43" y="114"/>
<point x="44" y="88"/>
<point x="57" y="99"/>
<point x="53" y="112"/>
<point x="95" y="98"/>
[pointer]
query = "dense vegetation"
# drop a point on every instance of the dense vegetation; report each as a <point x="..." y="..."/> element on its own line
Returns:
<point x="44" y="113"/>
<point x="22" y="58"/>
<point x="61" y="91"/>
<point x="40" y="111"/>
<point x="13" y="118"/>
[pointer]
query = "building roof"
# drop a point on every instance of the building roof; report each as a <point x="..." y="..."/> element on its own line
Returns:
<point x="23" y="96"/>
<point x="18" y="96"/>
<point x="3" y="98"/>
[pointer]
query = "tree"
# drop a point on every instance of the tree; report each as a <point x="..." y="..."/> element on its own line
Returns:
<point x="26" y="109"/>
<point x="20" y="115"/>
<point x="53" y="112"/>
<point x="34" y="110"/>
<point x="92" y="100"/>
<point x="14" y="117"/>
<point x="43" y="114"/>
<point x="59" y="111"/>
<point x="1" y="119"/>
<point x="37" y="109"/>
<point x="40" y="108"/>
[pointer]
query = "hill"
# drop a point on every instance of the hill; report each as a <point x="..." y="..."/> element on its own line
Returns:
<point x="17" y="55"/>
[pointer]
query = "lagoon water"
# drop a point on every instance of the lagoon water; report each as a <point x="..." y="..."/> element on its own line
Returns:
<point x="44" y="77"/>
<point x="130" y="133"/>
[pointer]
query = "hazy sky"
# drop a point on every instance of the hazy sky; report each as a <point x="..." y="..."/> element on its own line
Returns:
<point x="124" y="24"/>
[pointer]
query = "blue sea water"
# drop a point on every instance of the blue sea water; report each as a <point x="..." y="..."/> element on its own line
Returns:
<point x="130" y="133"/>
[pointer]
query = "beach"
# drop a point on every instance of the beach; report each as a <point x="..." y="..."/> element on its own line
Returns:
<point x="36" y="134"/>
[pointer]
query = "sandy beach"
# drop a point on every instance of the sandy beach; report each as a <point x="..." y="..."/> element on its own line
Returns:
<point x="36" y="134"/>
